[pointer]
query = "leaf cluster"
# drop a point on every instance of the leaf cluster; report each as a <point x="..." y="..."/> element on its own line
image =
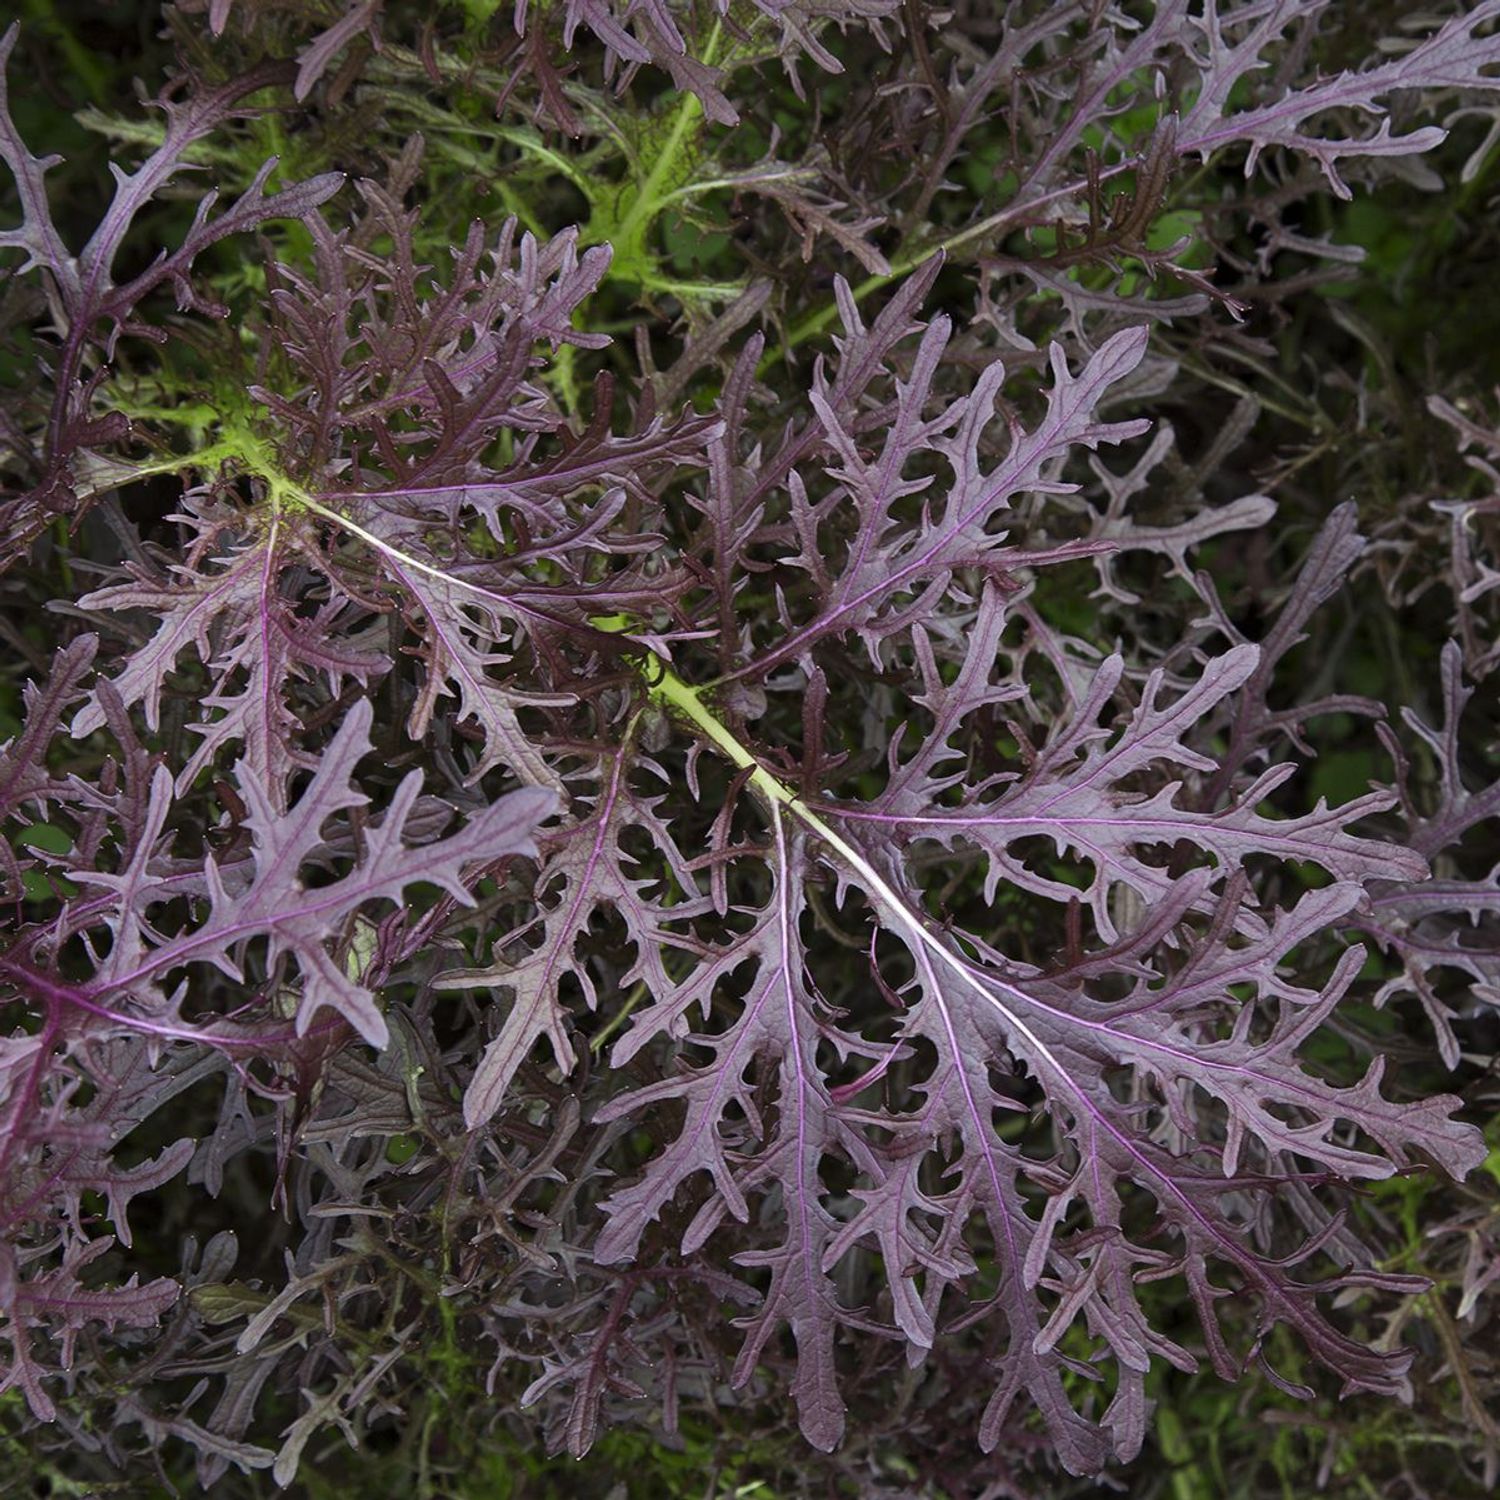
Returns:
<point x="695" y="747"/>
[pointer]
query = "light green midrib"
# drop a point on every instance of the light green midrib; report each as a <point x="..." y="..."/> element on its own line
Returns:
<point x="686" y="702"/>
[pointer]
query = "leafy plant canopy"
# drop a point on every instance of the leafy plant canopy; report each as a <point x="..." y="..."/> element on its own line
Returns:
<point x="703" y="729"/>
